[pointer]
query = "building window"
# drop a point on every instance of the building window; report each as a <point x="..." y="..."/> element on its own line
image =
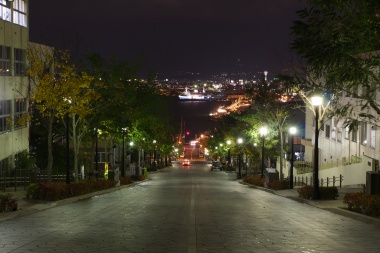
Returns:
<point x="347" y="131"/>
<point x="354" y="135"/>
<point x="363" y="133"/>
<point x="5" y="10"/>
<point x="333" y="129"/>
<point x="20" y="115"/>
<point x="19" y="59"/>
<point x="327" y="131"/>
<point x="5" y="115"/>
<point x="5" y="61"/>
<point x="4" y="166"/>
<point x="373" y="137"/>
<point x="339" y="135"/>
<point x="19" y="13"/>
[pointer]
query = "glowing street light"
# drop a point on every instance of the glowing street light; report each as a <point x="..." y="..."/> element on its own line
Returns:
<point x="263" y="132"/>
<point x="316" y="102"/>
<point x="292" y="132"/>
<point x="229" y="152"/>
<point x="239" y="141"/>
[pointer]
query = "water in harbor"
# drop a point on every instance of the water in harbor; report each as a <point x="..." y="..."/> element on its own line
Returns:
<point x="195" y="114"/>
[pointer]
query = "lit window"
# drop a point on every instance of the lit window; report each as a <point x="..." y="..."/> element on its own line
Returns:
<point x="5" y="10"/>
<point x="19" y="13"/>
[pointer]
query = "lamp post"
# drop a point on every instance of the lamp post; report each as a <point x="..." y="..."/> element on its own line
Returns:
<point x="96" y="154"/>
<point x="316" y="101"/>
<point x="154" y="156"/>
<point x="67" y="150"/>
<point x="239" y="141"/>
<point x="292" y="132"/>
<point x="229" y="152"/>
<point x="123" y="152"/>
<point x="263" y="132"/>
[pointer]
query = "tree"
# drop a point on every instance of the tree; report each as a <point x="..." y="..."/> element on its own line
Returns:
<point x="82" y="93"/>
<point x="270" y="111"/>
<point x="339" y="42"/>
<point x="50" y="72"/>
<point x="127" y="101"/>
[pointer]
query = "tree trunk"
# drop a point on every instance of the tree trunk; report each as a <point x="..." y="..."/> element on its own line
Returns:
<point x="76" y="148"/>
<point x="281" y="154"/>
<point x="50" y="149"/>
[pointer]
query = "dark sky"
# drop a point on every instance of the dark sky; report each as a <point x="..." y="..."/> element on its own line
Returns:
<point x="174" y="35"/>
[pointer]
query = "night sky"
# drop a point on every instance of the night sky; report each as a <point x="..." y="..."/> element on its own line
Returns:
<point x="203" y="36"/>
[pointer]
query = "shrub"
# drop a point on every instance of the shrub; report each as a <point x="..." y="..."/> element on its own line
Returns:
<point x="329" y="192"/>
<point x="7" y="203"/>
<point x="32" y="191"/>
<point x="279" y="184"/>
<point x="52" y="191"/>
<point x="138" y="177"/>
<point x="306" y="192"/>
<point x="354" y="201"/>
<point x="363" y="203"/>
<point x="125" y="180"/>
<point x="57" y="191"/>
<point x="255" y="180"/>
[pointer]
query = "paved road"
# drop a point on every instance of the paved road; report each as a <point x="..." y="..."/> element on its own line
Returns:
<point x="187" y="210"/>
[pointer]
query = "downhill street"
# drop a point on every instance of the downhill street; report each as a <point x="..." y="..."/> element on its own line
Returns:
<point x="187" y="209"/>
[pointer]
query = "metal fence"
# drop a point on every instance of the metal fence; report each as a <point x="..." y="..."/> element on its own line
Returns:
<point x="329" y="181"/>
<point x="16" y="179"/>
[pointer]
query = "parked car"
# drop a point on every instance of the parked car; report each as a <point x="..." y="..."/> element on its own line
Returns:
<point x="186" y="162"/>
<point x="216" y="165"/>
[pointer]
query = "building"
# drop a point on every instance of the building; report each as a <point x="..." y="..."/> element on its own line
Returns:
<point x="14" y="86"/>
<point x="343" y="154"/>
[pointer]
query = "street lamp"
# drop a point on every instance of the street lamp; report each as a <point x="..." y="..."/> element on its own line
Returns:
<point x="124" y="129"/>
<point x="239" y="141"/>
<point x="229" y="152"/>
<point x="316" y="101"/>
<point x="263" y="132"/>
<point x="67" y="150"/>
<point x="292" y="132"/>
<point x="154" y="155"/>
<point x="96" y="153"/>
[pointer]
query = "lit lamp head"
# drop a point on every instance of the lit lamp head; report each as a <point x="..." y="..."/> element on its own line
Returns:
<point x="316" y="100"/>
<point x="263" y="131"/>
<point x="240" y="140"/>
<point x="228" y="142"/>
<point x="292" y="130"/>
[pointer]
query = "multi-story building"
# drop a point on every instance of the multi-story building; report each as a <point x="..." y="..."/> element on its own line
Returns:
<point x="343" y="153"/>
<point x="14" y="87"/>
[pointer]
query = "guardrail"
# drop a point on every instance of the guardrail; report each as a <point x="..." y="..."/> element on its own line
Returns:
<point x="301" y="181"/>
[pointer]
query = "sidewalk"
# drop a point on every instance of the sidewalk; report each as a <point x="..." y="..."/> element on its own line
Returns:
<point x="29" y="206"/>
<point x="335" y="206"/>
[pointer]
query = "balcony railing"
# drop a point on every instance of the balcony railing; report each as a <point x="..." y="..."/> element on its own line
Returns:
<point x="303" y="167"/>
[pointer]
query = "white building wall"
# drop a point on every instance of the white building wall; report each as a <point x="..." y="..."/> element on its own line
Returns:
<point x="12" y="87"/>
<point x="351" y="159"/>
